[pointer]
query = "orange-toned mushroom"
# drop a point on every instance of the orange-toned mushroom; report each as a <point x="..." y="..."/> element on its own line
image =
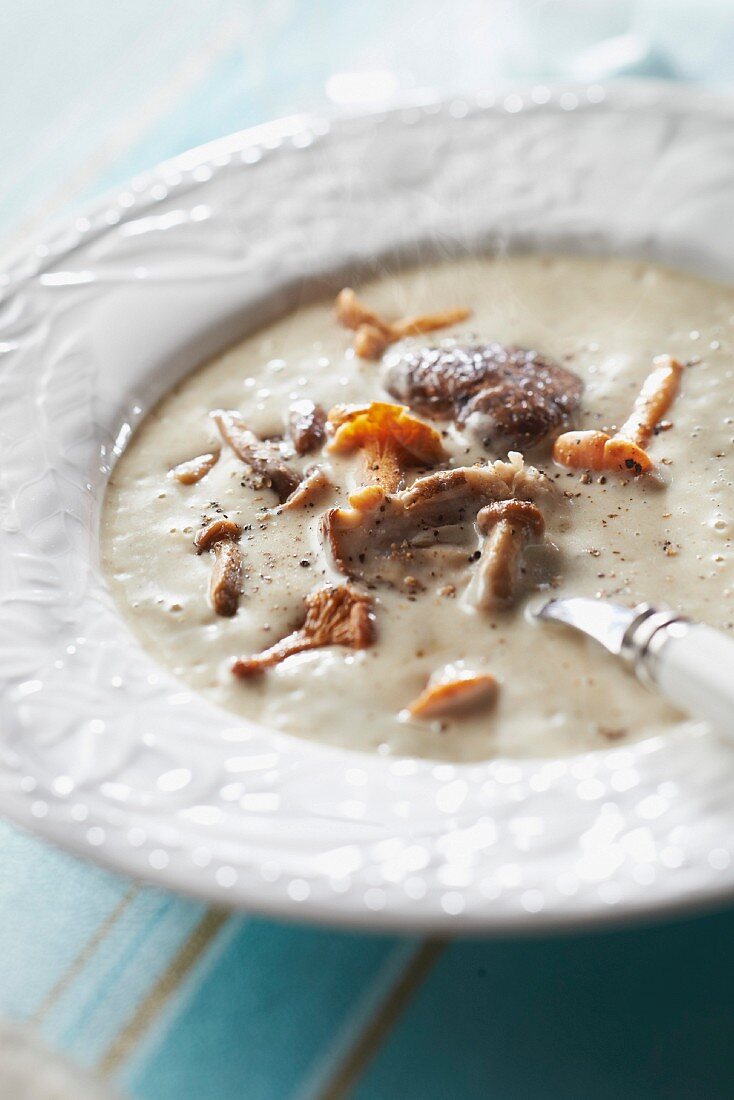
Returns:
<point x="430" y="322"/>
<point x="454" y="690"/>
<point x="625" y="452"/>
<point x="389" y="437"/>
<point x="352" y="313"/>
<point x="374" y="333"/>
<point x="334" y="616"/>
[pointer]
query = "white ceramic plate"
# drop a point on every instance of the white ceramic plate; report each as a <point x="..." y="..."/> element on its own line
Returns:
<point x="100" y="749"/>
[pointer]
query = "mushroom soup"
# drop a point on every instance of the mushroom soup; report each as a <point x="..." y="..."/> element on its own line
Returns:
<point x="333" y="528"/>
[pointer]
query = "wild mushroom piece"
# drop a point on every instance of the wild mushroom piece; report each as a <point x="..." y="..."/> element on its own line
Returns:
<point x="505" y="396"/>
<point x="194" y="469"/>
<point x="306" y="426"/>
<point x="624" y="452"/>
<point x="430" y="322"/>
<point x="225" y="587"/>
<point x="352" y="313"/>
<point x="334" y="616"/>
<point x="264" y="457"/>
<point x="653" y="401"/>
<point x="509" y="525"/>
<point x="452" y="691"/>
<point x="374" y="333"/>
<point x="220" y="536"/>
<point x="314" y="485"/>
<point x="370" y="341"/>
<point x="381" y="538"/>
<point x="215" y="530"/>
<point x="390" y="439"/>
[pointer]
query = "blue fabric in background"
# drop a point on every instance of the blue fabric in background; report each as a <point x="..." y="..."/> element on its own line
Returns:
<point x="160" y="996"/>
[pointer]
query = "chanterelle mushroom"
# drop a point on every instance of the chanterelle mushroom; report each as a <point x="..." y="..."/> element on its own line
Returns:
<point x="388" y="436"/>
<point x="506" y="396"/>
<point x="625" y="452"/>
<point x="263" y="456"/>
<point x="374" y="333"/>
<point x="453" y="690"/>
<point x="509" y="525"/>
<point x="334" y="616"/>
<point x="383" y="538"/>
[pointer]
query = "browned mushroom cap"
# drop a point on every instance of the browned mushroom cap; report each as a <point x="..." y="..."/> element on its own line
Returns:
<point x="225" y="587"/>
<point x="389" y="437"/>
<point x="188" y="473"/>
<point x="306" y="426"/>
<point x="220" y="536"/>
<point x="518" y="513"/>
<point x="264" y="457"/>
<point x="507" y="396"/>
<point x="334" y="616"/>
<point x="215" y="530"/>
<point x="509" y="526"/>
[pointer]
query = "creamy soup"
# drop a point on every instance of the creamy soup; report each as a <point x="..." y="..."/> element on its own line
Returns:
<point x="666" y="538"/>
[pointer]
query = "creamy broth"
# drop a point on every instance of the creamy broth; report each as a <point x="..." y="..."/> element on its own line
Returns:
<point x="632" y="540"/>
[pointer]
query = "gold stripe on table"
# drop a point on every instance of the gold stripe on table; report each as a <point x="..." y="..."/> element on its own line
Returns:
<point x="82" y="958"/>
<point x="152" y="1005"/>
<point x="373" y="1034"/>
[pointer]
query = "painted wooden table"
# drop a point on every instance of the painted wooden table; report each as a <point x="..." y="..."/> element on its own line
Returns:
<point x="162" y="998"/>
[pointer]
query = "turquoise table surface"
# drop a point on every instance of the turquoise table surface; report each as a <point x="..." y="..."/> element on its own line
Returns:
<point x="161" y="998"/>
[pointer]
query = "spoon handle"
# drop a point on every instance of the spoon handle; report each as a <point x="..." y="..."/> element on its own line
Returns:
<point x="693" y="666"/>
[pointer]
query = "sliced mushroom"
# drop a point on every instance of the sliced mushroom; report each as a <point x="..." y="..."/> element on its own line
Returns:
<point x="506" y="396"/>
<point x="454" y="690"/>
<point x="215" y="530"/>
<point x="382" y="537"/>
<point x="374" y="333"/>
<point x="263" y="456"/>
<point x="625" y="451"/>
<point x="225" y="587"/>
<point x="188" y="473"/>
<point x="315" y="484"/>
<point x="334" y="616"/>
<point x="389" y="437"/>
<point x="509" y="525"/>
<point x="306" y="426"/>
